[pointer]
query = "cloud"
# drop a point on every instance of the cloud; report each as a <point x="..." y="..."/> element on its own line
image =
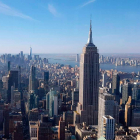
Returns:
<point x="87" y="3"/>
<point x="7" y="10"/>
<point x="52" y="10"/>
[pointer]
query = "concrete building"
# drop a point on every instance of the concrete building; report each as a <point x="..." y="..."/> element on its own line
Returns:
<point x="126" y="92"/>
<point x="89" y="83"/>
<point x="115" y="86"/>
<point x="107" y="106"/>
<point x="33" y="129"/>
<point x="108" y="127"/>
<point x="32" y="78"/>
<point x="128" y="112"/>
<point x="33" y="115"/>
<point x="135" y="117"/>
<point x="105" y="77"/>
<point x="61" y="129"/>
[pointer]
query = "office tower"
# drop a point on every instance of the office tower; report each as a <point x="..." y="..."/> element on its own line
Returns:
<point x="61" y="129"/>
<point x="46" y="80"/>
<point x="106" y="107"/>
<point x="21" y="55"/>
<point x="104" y="79"/>
<point x="89" y="83"/>
<point x="12" y="81"/>
<point x="128" y="111"/>
<point x="108" y="127"/>
<point x="33" y="129"/>
<point x="30" y="53"/>
<point x="6" y="121"/>
<point x="9" y="63"/>
<point x="136" y="92"/>
<point x="115" y="86"/>
<point x="19" y="78"/>
<point x="1" y="112"/>
<point x="77" y="57"/>
<point x="44" y="131"/>
<point x="135" y="117"/>
<point x="75" y="98"/>
<point x="32" y="78"/>
<point x="53" y="103"/>
<point x="33" y="114"/>
<point x="126" y="92"/>
<point x="33" y="101"/>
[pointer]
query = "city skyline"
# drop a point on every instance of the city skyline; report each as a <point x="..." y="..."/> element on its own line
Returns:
<point x="55" y="27"/>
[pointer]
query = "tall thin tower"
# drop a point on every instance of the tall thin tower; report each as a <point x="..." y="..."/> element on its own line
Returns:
<point x="89" y="83"/>
<point x="30" y="53"/>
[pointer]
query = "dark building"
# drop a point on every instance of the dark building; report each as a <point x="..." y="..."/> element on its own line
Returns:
<point x="75" y="98"/>
<point x="46" y="79"/>
<point x="18" y="131"/>
<point x="32" y="78"/>
<point x="115" y="86"/>
<point x="126" y="92"/>
<point x="12" y="81"/>
<point x="44" y="131"/>
<point x="6" y="121"/>
<point x="136" y="93"/>
<point x="61" y="129"/>
<point x="8" y="65"/>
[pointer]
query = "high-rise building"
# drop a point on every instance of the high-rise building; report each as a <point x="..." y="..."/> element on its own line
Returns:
<point x="136" y="92"/>
<point x="6" y="121"/>
<point x="32" y="78"/>
<point x="61" y="129"/>
<point x="128" y="111"/>
<point x="107" y="106"/>
<point x="30" y="53"/>
<point x="52" y="102"/>
<point x="104" y="79"/>
<point x="75" y="98"/>
<point x="108" y="127"/>
<point x="46" y="80"/>
<point x="12" y="81"/>
<point x="115" y="86"/>
<point x="9" y="63"/>
<point x="126" y="92"/>
<point x="89" y="83"/>
<point x="77" y="57"/>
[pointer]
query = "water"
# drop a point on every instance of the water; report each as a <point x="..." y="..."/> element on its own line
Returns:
<point x="70" y="60"/>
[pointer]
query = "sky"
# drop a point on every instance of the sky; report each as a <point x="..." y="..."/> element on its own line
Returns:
<point x="62" y="26"/>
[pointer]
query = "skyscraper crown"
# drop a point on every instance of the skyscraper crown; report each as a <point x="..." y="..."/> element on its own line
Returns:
<point x="90" y="41"/>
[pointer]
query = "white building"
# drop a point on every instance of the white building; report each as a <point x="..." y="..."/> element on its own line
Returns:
<point x="107" y="106"/>
<point x="104" y="79"/>
<point x="33" y="127"/>
<point x="108" y="125"/>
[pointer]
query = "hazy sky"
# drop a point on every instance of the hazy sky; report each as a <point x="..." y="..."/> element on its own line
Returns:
<point x="62" y="26"/>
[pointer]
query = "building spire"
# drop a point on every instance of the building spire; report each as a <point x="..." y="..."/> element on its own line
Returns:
<point x="90" y="35"/>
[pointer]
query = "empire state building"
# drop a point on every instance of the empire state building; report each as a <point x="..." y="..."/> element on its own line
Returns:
<point x="87" y="108"/>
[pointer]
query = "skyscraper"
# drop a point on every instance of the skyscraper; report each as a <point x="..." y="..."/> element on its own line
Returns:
<point x="30" y="53"/>
<point x="9" y="65"/>
<point x="12" y="81"/>
<point x="61" y="129"/>
<point x="108" y="127"/>
<point x="104" y="79"/>
<point x="126" y="92"/>
<point x="77" y="57"/>
<point x="89" y="83"/>
<point x="115" y="86"/>
<point x="107" y="106"/>
<point x="32" y="78"/>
